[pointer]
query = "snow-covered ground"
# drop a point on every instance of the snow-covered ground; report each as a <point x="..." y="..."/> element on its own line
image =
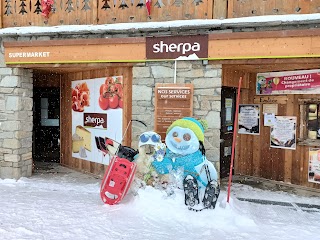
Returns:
<point x="67" y="205"/>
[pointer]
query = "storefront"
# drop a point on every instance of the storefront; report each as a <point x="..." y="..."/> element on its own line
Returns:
<point x="201" y="70"/>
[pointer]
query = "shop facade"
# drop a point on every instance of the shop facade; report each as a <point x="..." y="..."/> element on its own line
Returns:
<point x="57" y="59"/>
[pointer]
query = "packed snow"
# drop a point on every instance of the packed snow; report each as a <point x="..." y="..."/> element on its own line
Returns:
<point x="63" y="204"/>
<point x="268" y="20"/>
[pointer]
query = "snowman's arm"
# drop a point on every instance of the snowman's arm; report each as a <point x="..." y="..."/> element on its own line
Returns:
<point x="212" y="170"/>
<point x="164" y="166"/>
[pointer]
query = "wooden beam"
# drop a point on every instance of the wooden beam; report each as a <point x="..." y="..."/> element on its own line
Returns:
<point x="266" y="61"/>
<point x="282" y="47"/>
<point x="67" y="67"/>
<point x="230" y="9"/>
<point x="210" y="9"/>
<point x="220" y="9"/>
<point x="265" y="34"/>
<point x="75" y="42"/>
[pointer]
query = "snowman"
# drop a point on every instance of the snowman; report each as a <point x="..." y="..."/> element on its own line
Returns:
<point x="185" y="150"/>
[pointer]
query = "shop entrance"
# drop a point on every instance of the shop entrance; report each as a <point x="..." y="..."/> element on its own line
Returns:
<point x="46" y="118"/>
<point x="228" y="103"/>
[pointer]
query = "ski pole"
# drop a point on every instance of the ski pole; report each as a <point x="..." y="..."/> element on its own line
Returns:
<point x="234" y="138"/>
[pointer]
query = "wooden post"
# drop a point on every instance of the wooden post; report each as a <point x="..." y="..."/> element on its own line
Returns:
<point x="288" y="153"/>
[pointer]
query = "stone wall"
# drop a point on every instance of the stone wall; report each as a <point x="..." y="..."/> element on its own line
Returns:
<point x="16" y="121"/>
<point x="206" y="101"/>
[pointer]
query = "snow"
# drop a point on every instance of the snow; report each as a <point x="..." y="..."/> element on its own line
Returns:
<point x="63" y="204"/>
<point x="268" y="20"/>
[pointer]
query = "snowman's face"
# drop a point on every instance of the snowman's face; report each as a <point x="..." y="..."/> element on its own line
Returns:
<point x="182" y="141"/>
<point x="262" y="81"/>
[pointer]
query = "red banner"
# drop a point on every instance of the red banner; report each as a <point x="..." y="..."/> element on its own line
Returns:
<point x="294" y="82"/>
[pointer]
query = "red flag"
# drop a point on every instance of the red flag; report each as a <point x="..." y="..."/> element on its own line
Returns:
<point x="148" y="5"/>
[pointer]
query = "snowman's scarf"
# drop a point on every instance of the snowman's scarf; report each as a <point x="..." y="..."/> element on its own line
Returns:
<point x="173" y="161"/>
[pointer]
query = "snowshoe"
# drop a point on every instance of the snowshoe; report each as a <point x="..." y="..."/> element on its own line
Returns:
<point x="211" y="195"/>
<point x="190" y="186"/>
<point x="117" y="180"/>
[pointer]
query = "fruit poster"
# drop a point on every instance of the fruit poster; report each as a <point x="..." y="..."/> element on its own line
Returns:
<point x="96" y="117"/>
<point x="249" y="119"/>
<point x="314" y="165"/>
<point x="283" y="132"/>
<point x="289" y="82"/>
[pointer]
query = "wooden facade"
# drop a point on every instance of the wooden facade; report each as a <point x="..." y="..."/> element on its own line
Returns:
<point x="254" y="156"/>
<point x="76" y="12"/>
<point x="246" y="8"/>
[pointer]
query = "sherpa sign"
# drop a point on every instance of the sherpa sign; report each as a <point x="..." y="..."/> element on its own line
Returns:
<point x="177" y="46"/>
<point x="97" y="120"/>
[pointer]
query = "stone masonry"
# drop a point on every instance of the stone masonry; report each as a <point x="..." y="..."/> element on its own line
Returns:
<point x="16" y="121"/>
<point x="206" y="101"/>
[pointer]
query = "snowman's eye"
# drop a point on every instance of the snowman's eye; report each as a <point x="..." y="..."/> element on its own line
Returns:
<point x="186" y="136"/>
<point x="175" y="134"/>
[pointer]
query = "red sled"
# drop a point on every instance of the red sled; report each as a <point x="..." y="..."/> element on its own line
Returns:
<point x="117" y="180"/>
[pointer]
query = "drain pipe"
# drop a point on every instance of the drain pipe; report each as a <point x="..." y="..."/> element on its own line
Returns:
<point x="175" y="72"/>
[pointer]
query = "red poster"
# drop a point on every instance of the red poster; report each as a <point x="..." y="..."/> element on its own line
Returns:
<point x="291" y="82"/>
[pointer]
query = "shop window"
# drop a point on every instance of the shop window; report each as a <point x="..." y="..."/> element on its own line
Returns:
<point x="309" y="122"/>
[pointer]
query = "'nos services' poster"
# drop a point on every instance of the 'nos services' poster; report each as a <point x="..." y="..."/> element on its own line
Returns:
<point x="283" y="132"/>
<point x="96" y="115"/>
<point x="249" y="119"/>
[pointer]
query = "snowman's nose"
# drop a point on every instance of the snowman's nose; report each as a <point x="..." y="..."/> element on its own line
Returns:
<point x="177" y="139"/>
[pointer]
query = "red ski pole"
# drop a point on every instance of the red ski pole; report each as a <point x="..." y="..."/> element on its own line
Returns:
<point x="234" y="138"/>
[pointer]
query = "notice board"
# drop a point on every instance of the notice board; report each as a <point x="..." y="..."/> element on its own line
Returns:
<point x="172" y="101"/>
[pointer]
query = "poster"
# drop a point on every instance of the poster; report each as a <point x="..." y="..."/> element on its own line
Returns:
<point x="270" y="108"/>
<point x="289" y="82"/>
<point x="249" y="119"/>
<point x="283" y="132"/>
<point x="172" y="101"/>
<point x="314" y="165"/>
<point x="228" y="106"/>
<point x="96" y="115"/>
<point x="269" y="119"/>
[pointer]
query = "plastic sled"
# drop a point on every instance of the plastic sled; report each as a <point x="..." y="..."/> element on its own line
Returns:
<point x="117" y="180"/>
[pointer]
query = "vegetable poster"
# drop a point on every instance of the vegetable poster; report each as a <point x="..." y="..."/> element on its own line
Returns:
<point x="96" y="117"/>
<point x="249" y="119"/>
<point x="283" y="132"/>
<point x="314" y="165"/>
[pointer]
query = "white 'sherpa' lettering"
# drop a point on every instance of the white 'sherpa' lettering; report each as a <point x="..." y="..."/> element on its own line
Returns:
<point x="172" y="47"/>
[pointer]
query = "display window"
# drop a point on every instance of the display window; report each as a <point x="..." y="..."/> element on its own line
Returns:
<point x="309" y="121"/>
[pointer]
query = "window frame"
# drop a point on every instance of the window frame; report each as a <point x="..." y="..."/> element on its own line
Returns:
<point x="303" y="126"/>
